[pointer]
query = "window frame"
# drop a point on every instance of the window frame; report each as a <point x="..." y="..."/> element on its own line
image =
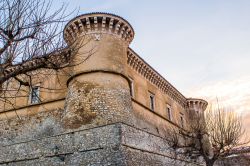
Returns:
<point x="152" y="101"/>
<point x="182" y="120"/>
<point x="169" y="112"/>
<point x="37" y="96"/>
<point x="132" y="89"/>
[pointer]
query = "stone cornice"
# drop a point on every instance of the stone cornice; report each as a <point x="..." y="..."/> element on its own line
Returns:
<point x="143" y="68"/>
<point x="98" y="23"/>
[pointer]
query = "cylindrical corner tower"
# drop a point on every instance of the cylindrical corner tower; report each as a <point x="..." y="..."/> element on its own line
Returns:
<point x="98" y="89"/>
<point x="196" y="107"/>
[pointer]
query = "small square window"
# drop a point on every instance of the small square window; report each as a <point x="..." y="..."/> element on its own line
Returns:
<point x="152" y="101"/>
<point x="34" y="95"/>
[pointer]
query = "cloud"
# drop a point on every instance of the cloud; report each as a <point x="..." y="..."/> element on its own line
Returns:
<point x="233" y="94"/>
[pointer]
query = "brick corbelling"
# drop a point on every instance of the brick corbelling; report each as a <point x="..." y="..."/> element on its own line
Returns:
<point x="98" y="23"/>
<point x="191" y="102"/>
<point x="143" y="68"/>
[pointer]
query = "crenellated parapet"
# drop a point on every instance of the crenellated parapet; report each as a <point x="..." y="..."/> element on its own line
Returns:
<point x="198" y="105"/>
<point x="98" y="23"/>
<point x="143" y="68"/>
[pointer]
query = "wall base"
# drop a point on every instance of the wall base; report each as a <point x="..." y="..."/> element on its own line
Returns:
<point x="113" y="144"/>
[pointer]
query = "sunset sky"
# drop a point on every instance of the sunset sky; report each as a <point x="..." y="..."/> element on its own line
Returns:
<point x="201" y="47"/>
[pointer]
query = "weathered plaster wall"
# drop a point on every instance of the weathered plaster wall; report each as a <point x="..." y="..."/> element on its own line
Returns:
<point x="141" y="102"/>
<point x="52" y="87"/>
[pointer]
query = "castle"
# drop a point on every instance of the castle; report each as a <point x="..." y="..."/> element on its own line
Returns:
<point x="110" y="108"/>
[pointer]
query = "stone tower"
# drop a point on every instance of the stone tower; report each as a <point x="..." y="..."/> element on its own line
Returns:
<point x="99" y="88"/>
<point x="196" y="107"/>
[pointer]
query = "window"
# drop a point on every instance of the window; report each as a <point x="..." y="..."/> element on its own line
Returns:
<point x="152" y="101"/>
<point x="34" y="95"/>
<point x="182" y="120"/>
<point x="131" y="87"/>
<point x="1" y="88"/>
<point x="169" y="112"/>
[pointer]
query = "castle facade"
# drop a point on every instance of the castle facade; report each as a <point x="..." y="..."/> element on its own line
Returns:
<point x="110" y="107"/>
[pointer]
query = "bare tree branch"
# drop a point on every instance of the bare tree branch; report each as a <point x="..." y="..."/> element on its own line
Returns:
<point x="212" y="137"/>
<point x="31" y="39"/>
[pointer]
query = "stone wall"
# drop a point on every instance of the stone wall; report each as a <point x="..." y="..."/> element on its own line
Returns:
<point x="113" y="144"/>
<point x="42" y="140"/>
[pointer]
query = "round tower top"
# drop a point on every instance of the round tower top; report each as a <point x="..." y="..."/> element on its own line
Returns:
<point x="98" y="23"/>
<point x="198" y="103"/>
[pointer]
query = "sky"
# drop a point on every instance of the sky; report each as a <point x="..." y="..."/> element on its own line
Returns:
<point x="201" y="47"/>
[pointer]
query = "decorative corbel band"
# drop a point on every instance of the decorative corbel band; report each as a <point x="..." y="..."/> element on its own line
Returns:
<point x="98" y="23"/>
<point x="143" y="68"/>
<point x="200" y="103"/>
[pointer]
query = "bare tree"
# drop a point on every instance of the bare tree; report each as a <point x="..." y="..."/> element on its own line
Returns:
<point x="30" y="39"/>
<point x="211" y="137"/>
